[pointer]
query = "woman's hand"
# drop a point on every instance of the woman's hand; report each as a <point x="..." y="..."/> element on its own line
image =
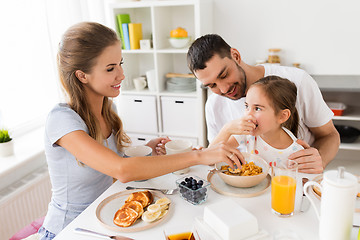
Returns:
<point x="222" y="152"/>
<point x="158" y="145"/>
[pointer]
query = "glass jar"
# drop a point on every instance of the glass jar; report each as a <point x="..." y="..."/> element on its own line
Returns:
<point x="273" y="56"/>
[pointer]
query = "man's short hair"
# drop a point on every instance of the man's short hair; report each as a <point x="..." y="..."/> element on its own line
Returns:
<point x="204" y="48"/>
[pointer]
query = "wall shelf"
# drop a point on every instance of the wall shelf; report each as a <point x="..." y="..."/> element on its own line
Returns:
<point x="158" y="18"/>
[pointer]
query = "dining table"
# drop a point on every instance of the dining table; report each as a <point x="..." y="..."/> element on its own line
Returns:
<point x="302" y="225"/>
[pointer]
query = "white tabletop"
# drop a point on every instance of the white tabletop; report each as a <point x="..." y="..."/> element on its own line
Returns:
<point x="304" y="224"/>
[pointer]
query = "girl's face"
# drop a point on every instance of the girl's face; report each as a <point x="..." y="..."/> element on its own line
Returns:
<point x="258" y="105"/>
<point x="107" y="74"/>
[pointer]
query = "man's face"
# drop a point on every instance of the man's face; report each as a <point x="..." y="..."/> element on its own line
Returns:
<point x="224" y="77"/>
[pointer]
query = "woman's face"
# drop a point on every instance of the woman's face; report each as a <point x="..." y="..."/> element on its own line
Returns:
<point x="107" y="74"/>
<point x="258" y="105"/>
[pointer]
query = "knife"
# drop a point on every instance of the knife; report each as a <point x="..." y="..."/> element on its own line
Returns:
<point x="305" y="204"/>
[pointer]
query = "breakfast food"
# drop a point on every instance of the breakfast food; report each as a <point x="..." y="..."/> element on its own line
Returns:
<point x="125" y="217"/>
<point x="144" y="197"/>
<point x="137" y="206"/>
<point x="157" y="210"/>
<point x="134" y="208"/>
<point x="192" y="190"/>
<point x="248" y="169"/>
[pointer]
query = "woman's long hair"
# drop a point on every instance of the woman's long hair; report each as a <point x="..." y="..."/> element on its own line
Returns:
<point x="282" y="94"/>
<point x="79" y="49"/>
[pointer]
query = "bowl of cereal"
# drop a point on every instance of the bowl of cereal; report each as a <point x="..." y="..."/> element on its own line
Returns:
<point x="252" y="173"/>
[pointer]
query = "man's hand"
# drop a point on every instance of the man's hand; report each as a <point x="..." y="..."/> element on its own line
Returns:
<point x="309" y="159"/>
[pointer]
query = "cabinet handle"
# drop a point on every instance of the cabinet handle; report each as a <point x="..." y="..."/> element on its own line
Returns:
<point x="179" y="101"/>
<point x="136" y="100"/>
<point x="141" y="139"/>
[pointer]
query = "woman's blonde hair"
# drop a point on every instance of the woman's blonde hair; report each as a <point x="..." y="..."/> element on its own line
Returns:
<point x="79" y="49"/>
<point x="282" y="94"/>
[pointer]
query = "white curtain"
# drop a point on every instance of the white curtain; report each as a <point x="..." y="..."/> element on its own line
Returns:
<point x="31" y="31"/>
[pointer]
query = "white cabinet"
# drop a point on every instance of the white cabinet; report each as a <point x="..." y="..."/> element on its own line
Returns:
<point x="345" y="89"/>
<point x="158" y="18"/>
<point x="179" y="116"/>
<point x="138" y="113"/>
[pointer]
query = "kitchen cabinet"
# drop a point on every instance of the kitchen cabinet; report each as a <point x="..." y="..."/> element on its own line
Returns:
<point x="345" y="89"/>
<point x="184" y="117"/>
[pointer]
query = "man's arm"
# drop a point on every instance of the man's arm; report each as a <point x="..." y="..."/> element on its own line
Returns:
<point x="314" y="159"/>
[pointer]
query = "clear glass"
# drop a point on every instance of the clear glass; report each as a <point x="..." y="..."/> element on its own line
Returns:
<point x="283" y="188"/>
<point x="193" y="196"/>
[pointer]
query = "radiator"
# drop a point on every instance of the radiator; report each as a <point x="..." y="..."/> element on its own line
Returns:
<point x="24" y="201"/>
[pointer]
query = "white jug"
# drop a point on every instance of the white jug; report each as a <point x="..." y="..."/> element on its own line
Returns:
<point x="338" y="196"/>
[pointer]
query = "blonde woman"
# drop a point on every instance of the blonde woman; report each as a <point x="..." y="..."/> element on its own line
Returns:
<point x="84" y="137"/>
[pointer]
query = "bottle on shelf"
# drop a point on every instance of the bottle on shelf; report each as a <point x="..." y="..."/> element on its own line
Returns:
<point x="273" y="56"/>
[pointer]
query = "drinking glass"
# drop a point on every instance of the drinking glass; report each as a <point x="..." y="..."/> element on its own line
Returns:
<point x="283" y="187"/>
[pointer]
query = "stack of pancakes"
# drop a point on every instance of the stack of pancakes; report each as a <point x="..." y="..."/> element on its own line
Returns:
<point x="133" y="208"/>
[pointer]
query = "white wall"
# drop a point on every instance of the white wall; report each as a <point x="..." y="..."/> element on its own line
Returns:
<point x="323" y="35"/>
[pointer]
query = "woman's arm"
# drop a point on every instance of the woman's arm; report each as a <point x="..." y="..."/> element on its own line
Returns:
<point x="104" y="160"/>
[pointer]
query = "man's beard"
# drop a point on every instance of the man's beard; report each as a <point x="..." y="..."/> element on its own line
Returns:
<point x="237" y="84"/>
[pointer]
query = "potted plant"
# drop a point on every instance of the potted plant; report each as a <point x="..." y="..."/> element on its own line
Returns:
<point x="6" y="143"/>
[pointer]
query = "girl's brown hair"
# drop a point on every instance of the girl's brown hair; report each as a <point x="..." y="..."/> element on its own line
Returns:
<point x="282" y="94"/>
<point x="79" y="49"/>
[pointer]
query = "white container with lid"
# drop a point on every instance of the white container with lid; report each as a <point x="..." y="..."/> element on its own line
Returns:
<point x="338" y="196"/>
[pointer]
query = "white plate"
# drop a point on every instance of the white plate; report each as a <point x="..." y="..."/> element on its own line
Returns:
<point x="106" y="210"/>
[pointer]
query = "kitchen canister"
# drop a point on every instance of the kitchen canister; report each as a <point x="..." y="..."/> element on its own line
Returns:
<point x="338" y="195"/>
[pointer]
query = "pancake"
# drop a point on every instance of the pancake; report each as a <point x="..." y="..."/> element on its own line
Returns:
<point x="137" y="206"/>
<point x="144" y="197"/>
<point x="125" y="217"/>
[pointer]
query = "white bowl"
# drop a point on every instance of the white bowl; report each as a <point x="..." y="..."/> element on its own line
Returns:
<point x="245" y="181"/>
<point x="179" y="42"/>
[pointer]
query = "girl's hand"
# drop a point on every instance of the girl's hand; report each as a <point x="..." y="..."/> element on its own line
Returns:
<point x="222" y="152"/>
<point x="241" y="126"/>
<point x="158" y="145"/>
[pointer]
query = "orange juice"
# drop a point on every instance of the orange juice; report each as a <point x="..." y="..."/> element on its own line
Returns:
<point x="283" y="194"/>
<point x="181" y="236"/>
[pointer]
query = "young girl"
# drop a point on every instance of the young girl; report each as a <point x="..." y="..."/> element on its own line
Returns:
<point x="84" y="137"/>
<point x="271" y="122"/>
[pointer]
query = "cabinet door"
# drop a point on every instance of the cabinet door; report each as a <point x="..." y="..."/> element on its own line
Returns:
<point x="179" y="116"/>
<point x="138" y="113"/>
<point x="140" y="139"/>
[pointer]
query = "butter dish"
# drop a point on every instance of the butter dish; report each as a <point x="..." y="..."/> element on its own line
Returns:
<point x="205" y="232"/>
<point x="230" y="221"/>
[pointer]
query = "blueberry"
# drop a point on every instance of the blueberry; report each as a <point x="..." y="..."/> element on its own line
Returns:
<point x="201" y="182"/>
<point x="187" y="179"/>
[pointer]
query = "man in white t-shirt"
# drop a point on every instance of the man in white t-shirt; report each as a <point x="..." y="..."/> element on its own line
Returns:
<point x="220" y="68"/>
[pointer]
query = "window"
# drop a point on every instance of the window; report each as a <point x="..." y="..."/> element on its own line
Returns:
<point x="31" y="30"/>
<point x="28" y="77"/>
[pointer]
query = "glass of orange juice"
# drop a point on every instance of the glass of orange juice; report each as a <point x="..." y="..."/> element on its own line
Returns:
<point x="283" y="187"/>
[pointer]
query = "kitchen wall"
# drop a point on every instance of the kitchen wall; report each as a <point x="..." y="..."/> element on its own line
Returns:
<point x="322" y="35"/>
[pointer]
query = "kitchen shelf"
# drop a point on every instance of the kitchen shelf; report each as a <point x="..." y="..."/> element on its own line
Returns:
<point x="338" y="83"/>
<point x="344" y="89"/>
<point x="353" y="114"/>
<point x="351" y="146"/>
<point x="158" y="18"/>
